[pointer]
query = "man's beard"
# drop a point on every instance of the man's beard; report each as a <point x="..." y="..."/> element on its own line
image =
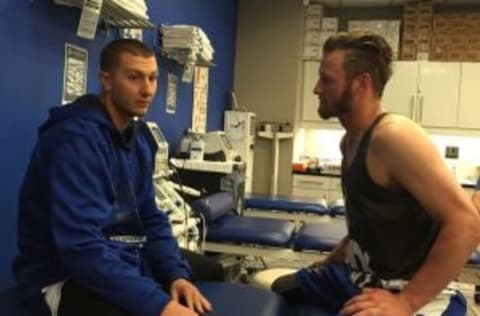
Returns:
<point x="342" y="106"/>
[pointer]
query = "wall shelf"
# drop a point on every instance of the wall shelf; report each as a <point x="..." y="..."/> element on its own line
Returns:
<point x="114" y="15"/>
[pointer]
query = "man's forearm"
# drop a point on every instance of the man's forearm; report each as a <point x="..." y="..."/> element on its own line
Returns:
<point x="454" y="243"/>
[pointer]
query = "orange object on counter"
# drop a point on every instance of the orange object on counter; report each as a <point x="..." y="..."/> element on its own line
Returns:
<point x="299" y="166"/>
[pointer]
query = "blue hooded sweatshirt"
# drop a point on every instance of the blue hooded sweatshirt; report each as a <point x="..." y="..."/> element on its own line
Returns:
<point x="87" y="212"/>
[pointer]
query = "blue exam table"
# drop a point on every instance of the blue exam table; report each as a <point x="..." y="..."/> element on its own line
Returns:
<point x="227" y="299"/>
<point x="292" y="206"/>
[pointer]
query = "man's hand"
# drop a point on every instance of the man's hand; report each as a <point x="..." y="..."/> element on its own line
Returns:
<point x="173" y="308"/>
<point x="377" y="302"/>
<point x="182" y="289"/>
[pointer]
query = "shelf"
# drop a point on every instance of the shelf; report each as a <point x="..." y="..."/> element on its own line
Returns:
<point x="114" y="15"/>
<point x="205" y="165"/>
<point x="200" y="62"/>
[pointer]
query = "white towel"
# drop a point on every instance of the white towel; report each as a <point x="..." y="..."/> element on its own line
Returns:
<point x="52" y="295"/>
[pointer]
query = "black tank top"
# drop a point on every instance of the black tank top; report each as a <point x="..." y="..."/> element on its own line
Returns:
<point x="390" y="232"/>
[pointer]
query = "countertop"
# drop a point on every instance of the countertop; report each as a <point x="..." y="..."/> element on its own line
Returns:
<point x="316" y="172"/>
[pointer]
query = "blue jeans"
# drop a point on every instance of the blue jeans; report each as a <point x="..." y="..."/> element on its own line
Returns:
<point x="330" y="287"/>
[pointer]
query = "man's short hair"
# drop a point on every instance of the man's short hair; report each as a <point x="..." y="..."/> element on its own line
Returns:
<point x="110" y="55"/>
<point x="365" y="52"/>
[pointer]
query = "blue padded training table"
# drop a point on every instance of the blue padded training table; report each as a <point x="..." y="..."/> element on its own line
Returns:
<point x="286" y="203"/>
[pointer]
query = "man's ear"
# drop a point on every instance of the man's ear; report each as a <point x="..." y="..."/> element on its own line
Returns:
<point x="366" y="81"/>
<point x="361" y="82"/>
<point x="106" y="80"/>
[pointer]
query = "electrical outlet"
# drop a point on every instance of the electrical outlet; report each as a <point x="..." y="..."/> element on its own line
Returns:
<point x="451" y="152"/>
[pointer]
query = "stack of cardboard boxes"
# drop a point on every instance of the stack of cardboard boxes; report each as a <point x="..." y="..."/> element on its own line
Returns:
<point x="317" y="30"/>
<point x="388" y="29"/>
<point x="456" y="37"/>
<point x="439" y="36"/>
<point x="417" y="30"/>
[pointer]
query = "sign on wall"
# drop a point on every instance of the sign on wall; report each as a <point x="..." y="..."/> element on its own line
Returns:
<point x="74" y="73"/>
<point x="200" y="98"/>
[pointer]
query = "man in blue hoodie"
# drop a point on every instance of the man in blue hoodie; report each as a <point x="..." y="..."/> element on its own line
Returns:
<point x="91" y="239"/>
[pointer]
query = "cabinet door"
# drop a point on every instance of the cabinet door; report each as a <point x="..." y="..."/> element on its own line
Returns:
<point x="469" y="105"/>
<point x="311" y="182"/>
<point x="310" y="100"/>
<point x="400" y="93"/>
<point x="438" y="94"/>
<point x="310" y="193"/>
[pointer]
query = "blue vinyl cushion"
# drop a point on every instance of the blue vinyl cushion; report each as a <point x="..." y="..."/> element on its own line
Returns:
<point x="337" y="210"/>
<point x="285" y="203"/>
<point x="241" y="300"/>
<point x="214" y="206"/>
<point x="251" y="230"/>
<point x="319" y="236"/>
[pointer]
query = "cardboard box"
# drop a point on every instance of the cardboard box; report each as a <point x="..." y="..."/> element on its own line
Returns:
<point x="473" y="46"/>
<point x="408" y="19"/>
<point x="423" y="46"/>
<point x="313" y="23"/>
<point x="438" y="56"/>
<point x="455" y="55"/>
<point x="409" y="49"/>
<point x="473" y="56"/>
<point x="424" y="36"/>
<point x="411" y="8"/>
<point x="423" y="56"/>
<point x="329" y="24"/>
<point x="311" y="51"/>
<point x="410" y="30"/>
<point x="408" y="56"/>
<point x="439" y="40"/>
<point x="438" y="49"/>
<point x="311" y="37"/>
<point x="314" y="10"/>
<point x="472" y="26"/>
<point x="473" y="16"/>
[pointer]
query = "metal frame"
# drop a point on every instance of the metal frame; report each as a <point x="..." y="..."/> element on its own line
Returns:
<point x="261" y="251"/>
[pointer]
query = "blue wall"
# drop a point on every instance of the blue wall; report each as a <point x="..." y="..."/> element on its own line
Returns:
<point x="33" y="36"/>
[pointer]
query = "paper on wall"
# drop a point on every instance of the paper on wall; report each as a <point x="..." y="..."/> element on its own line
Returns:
<point x="87" y="26"/>
<point x="171" y="93"/>
<point x="74" y="73"/>
<point x="200" y="98"/>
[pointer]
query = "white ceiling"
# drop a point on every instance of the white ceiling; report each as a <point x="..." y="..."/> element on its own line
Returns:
<point x="383" y="3"/>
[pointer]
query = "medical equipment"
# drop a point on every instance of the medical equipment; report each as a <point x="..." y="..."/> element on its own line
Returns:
<point x="215" y="145"/>
<point x="167" y="198"/>
<point x="184" y="226"/>
<point x="161" y="156"/>
<point x="221" y="169"/>
<point x="240" y="130"/>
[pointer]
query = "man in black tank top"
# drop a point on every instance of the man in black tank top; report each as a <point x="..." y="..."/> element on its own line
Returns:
<point x="410" y="226"/>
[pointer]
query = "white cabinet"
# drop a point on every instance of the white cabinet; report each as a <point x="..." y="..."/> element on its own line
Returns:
<point x="433" y="94"/>
<point x="426" y="92"/>
<point x="438" y="93"/>
<point x="319" y="187"/>
<point x="469" y="104"/>
<point x="400" y="93"/>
